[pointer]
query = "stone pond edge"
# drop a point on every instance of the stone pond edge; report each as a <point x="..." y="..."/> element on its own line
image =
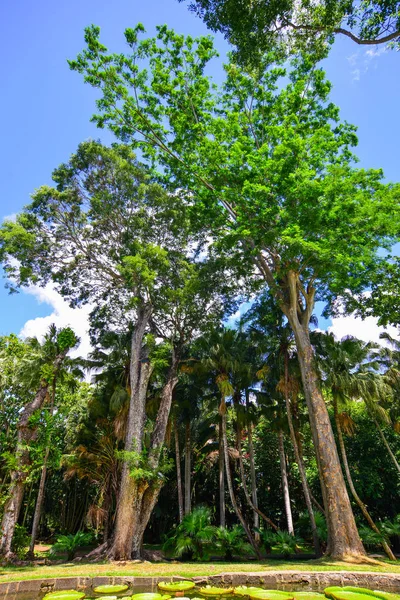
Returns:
<point x="316" y="580"/>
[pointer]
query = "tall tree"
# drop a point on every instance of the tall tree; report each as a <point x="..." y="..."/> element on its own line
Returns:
<point x="146" y="274"/>
<point x="269" y="167"/>
<point x="254" y="26"/>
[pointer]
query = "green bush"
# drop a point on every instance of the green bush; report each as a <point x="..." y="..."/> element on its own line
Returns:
<point x="69" y="544"/>
<point x="232" y="541"/>
<point x="192" y="538"/>
<point x="20" y="541"/>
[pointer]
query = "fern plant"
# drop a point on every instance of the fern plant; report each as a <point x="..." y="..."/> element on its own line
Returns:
<point x="231" y="541"/>
<point x="69" y="544"/>
<point x="193" y="537"/>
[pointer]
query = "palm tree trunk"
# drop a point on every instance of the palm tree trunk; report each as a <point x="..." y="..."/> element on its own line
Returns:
<point x="285" y="484"/>
<point x="221" y="475"/>
<point x="256" y="516"/>
<point x="300" y="463"/>
<point x="188" y="451"/>
<point x="178" y="473"/>
<point x="245" y="489"/>
<point x="388" y="448"/>
<point x="42" y="483"/>
<point x="356" y="497"/>
<point x="230" y="485"/>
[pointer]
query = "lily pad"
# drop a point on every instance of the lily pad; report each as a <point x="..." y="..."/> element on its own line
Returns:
<point x="109" y="598"/>
<point x="271" y="595"/>
<point x="64" y="595"/>
<point x="375" y="593"/>
<point x="210" y="590"/>
<point x="149" y="596"/>
<point x="110" y="589"/>
<point x="244" y="590"/>
<point x="176" y="586"/>
<point x="342" y="594"/>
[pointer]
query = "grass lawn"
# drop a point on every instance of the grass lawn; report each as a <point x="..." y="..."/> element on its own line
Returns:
<point x="14" y="573"/>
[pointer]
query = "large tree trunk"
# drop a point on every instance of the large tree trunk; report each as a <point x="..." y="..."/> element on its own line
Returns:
<point x="129" y="500"/>
<point x="178" y="473"/>
<point x="221" y="476"/>
<point x="26" y="434"/>
<point x="300" y="463"/>
<point x="230" y="484"/>
<point x="285" y="483"/>
<point x="343" y="539"/>
<point x="188" y="451"/>
<point x="356" y="497"/>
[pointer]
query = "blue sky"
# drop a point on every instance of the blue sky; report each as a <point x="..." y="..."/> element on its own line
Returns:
<point x="46" y="108"/>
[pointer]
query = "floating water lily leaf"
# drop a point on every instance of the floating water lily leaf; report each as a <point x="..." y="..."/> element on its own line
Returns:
<point x="209" y="590"/>
<point x="376" y="593"/>
<point x="110" y="589"/>
<point x="271" y="595"/>
<point x="176" y="586"/>
<point x="243" y="590"/>
<point x="149" y="596"/>
<point x="64" y="595"/>
<point x="337" y="593"/>
<point x="109" y="598"/>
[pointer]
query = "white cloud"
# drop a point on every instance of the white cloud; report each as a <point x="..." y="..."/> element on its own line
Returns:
<point x="12" y="217"/>
<point x="361" y="62"/>
<point x="62" y="316"/>
<point x="367" y="330"/>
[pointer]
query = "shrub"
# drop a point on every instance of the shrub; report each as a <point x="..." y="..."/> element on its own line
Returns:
<point x="70" y="543"/>
<point x="231" y="541"/>
<point x="192" y="538"/>
<point x="20" y="541"/>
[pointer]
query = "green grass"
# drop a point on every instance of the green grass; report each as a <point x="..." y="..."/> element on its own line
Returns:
<point x="15" y="573"/>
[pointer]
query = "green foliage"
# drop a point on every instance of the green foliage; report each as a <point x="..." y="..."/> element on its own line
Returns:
<point x="232" y="541"/>
<point x="193" y="538"/>
<point x="70" y="543"/>
<point x="370" y="538"/>
<point x="20" y="541"/>
<point x="282" y="541"/>
<point x="255" y="26"/>
<point x="303" y="526"/>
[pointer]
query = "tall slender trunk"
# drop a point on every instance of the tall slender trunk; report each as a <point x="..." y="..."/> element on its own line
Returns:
<point x="42" y="483"/>
<point x="356" y="497"/>
<point x="285" y="483"/>
<point x="244" y="485"/>
<point x="253" y="480"/>
<point x="300" y="463"/>
<point x="230" y="485"/>
<point x="221" y="475"/>
<point x="343" y="538"/>
<point x="126" y="511"/>
<point x="388" y="448"/>
<point x="178" y="473"/>
<point x="188" y="452"/>
<point x="26" y="434"/>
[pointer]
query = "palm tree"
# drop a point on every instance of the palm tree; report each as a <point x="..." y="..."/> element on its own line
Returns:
<point x="274" y="340"/>
<point x="346" y="373"/>
<point x="221" y="364"/>
<point x="39" y="370"/>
